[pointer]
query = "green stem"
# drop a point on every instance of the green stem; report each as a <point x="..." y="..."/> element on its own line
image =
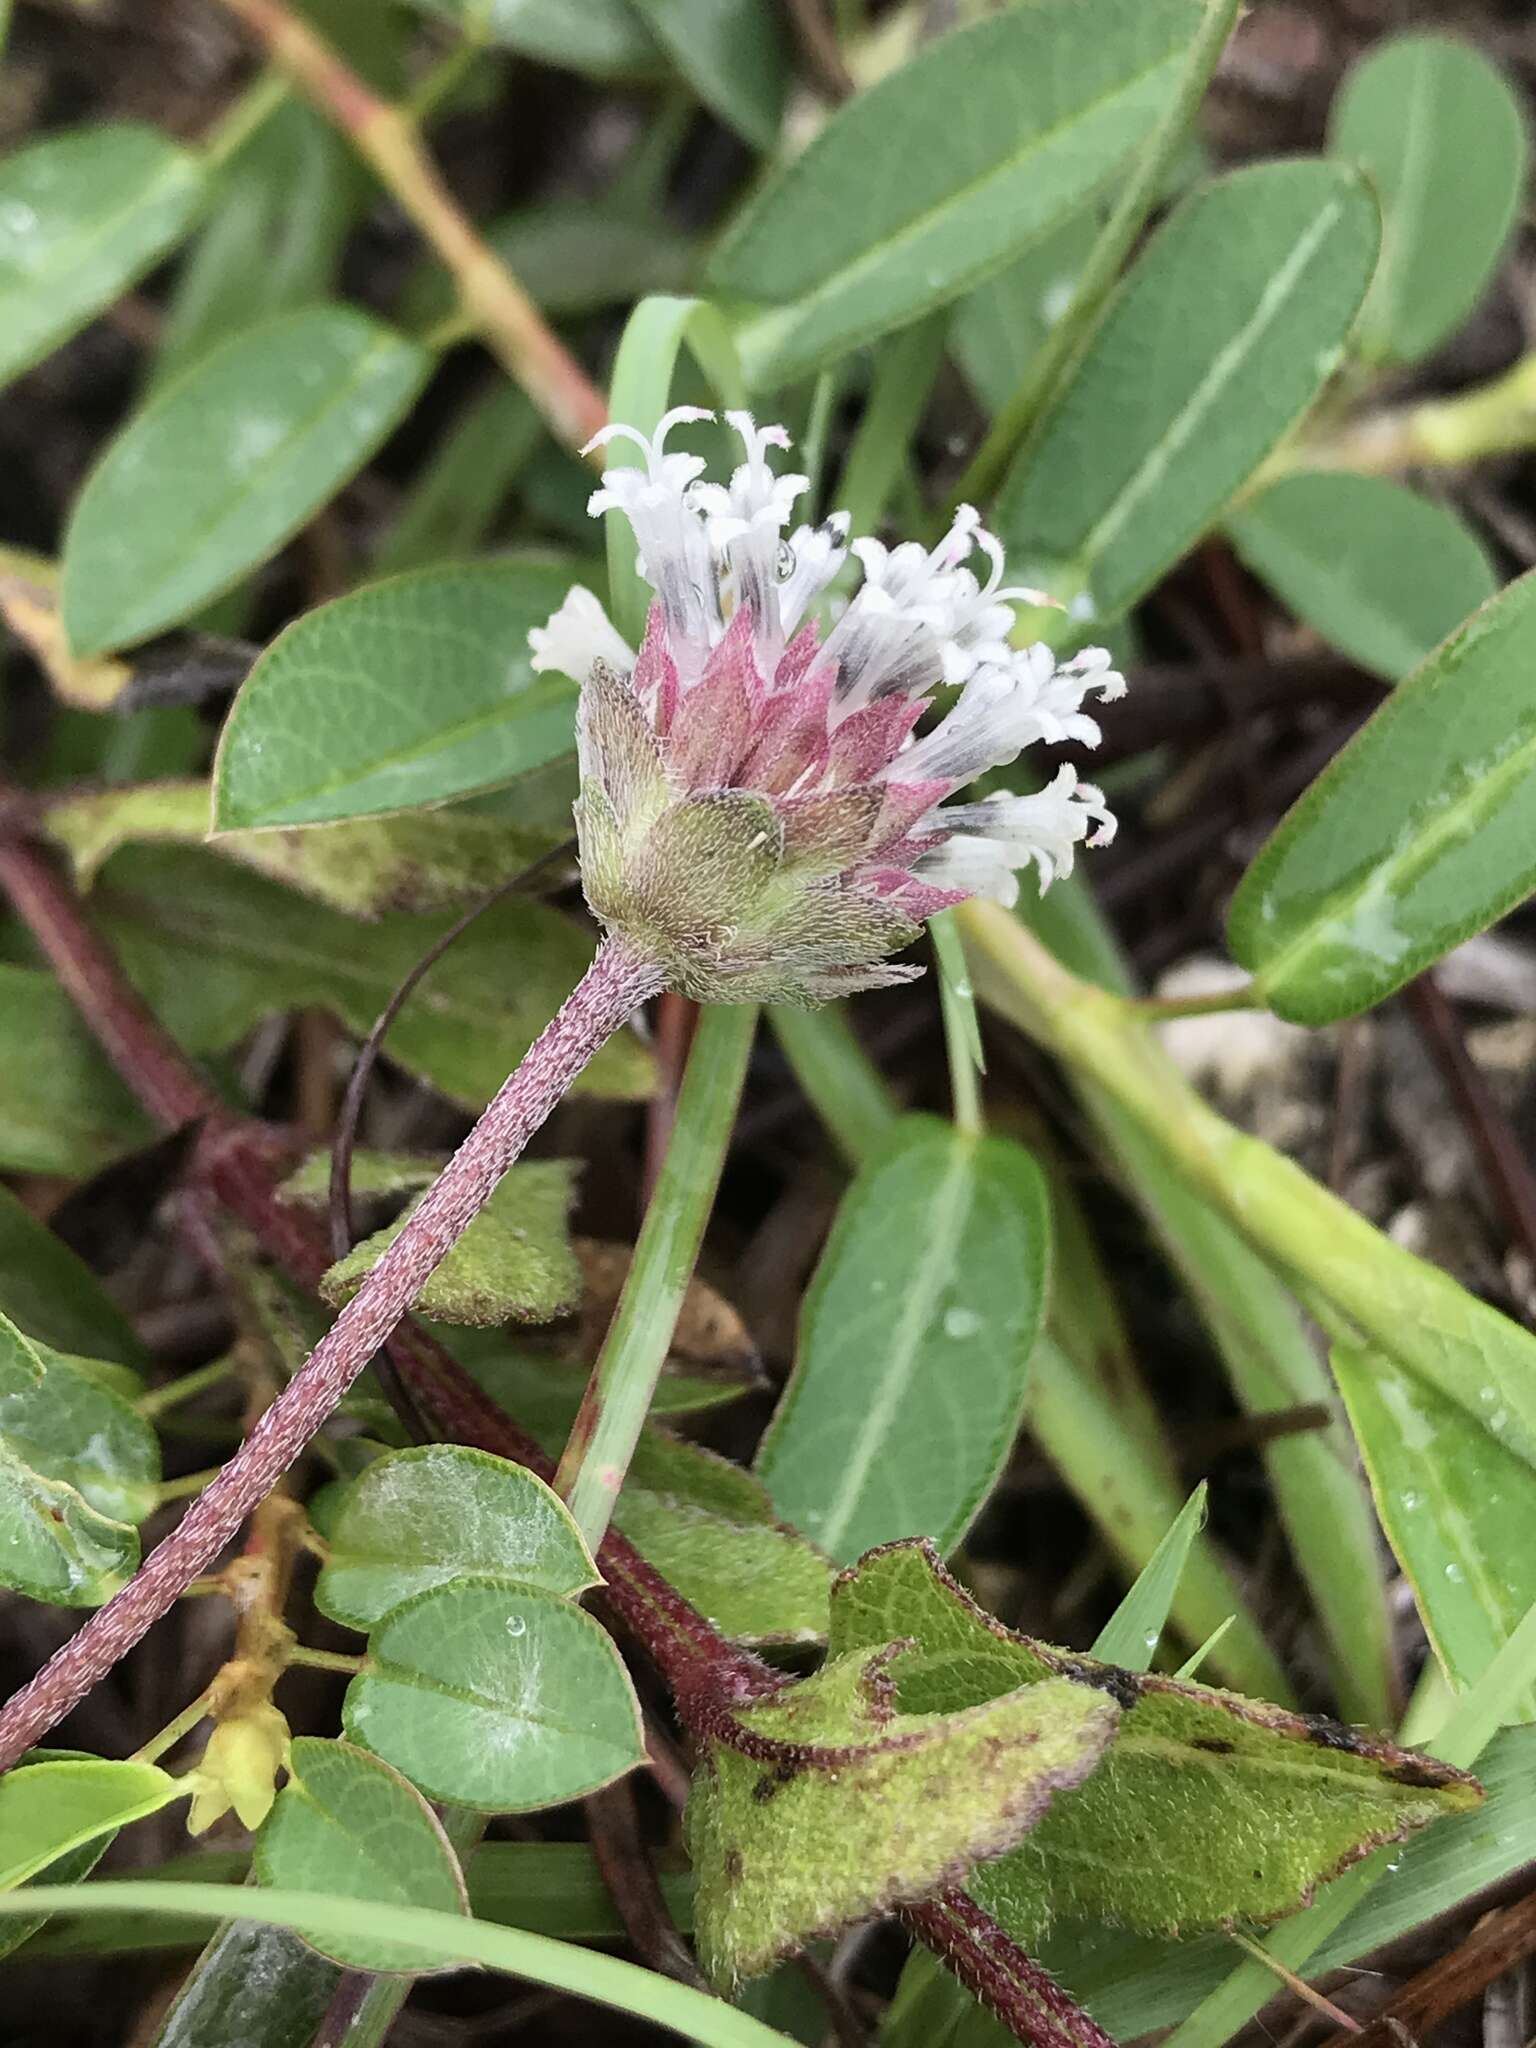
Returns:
<point x="1157" y="1008"/>
<point x="173" y="1731"/>
<point x="1496" y="418"/>
<point x="254" y="108"/>
<point x="1059" y="354"/>
<point x="844" y="1086"/>
<point x="623" y="1381"/>
<point x="325" y="1660"/>
<point x="1417" y="1313"/>
<point x="962" y="1037"/>
<point x="186" y="1388"/>
<point x="189" y="1482"/>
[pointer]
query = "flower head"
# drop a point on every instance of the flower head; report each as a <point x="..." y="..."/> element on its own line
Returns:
<point x="758" y="812"/>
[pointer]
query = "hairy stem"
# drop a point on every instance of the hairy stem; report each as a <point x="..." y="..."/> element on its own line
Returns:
<point x="384" y="135"/>
<point x="612" y="988"/>
<point x="992" y="1967"/>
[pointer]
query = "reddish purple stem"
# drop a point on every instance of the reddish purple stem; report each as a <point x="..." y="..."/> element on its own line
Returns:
<point x="613" y="987"/>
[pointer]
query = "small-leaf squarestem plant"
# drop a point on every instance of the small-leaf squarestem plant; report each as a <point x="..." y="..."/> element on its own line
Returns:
<point x="759" y="818"/>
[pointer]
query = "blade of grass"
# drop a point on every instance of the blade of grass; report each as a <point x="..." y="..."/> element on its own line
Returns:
<point x="442" y="1939"/>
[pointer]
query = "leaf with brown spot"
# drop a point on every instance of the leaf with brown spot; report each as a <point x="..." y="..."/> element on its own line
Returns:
<point x="1210" y="1809"/>
<point x="828" y="1803"/>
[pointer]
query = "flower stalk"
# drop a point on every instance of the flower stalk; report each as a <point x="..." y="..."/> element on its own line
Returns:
<point x="612" y="989"/>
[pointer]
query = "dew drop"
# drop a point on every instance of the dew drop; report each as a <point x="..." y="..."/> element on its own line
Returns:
<point x="1455" y="1574"/>
<point x="961" y="1322"/>
<point x="516" y="1625"/>
<point x="784" y="562"/>
<point x="1409" y="1501"/>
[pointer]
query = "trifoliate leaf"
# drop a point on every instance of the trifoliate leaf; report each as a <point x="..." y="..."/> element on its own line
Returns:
<point x="828" y="1803"/>
<point x="1210" y="1808"/>
<point x="514" y="1263"/>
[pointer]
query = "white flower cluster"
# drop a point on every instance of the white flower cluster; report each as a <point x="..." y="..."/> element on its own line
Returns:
<point x="921" y="619"/>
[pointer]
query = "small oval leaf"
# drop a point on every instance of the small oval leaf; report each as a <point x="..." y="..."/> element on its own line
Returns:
<point x="498" y="1696"/>
<point x="1441" y="134"/>
<point x="82" y="215"/>
<point x="912" y="1373"/>
<point x="349" y="1826"/>
<point x="973" y="150"/>
<point x="402" y="693"/>
<point x="218" y="470"/>
<point x="421" y="1518"/>
<point x="1420" y="833"/>
<point x="1186" y="386"/>
<point x="1381" y="572"/>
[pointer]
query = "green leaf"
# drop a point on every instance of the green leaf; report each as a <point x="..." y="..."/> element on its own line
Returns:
<point x="220" y="469"/>
<point x="1131" y="1635"/>
<point x="439" y="1938"/>
<point x="981" y="145"/>
<point x="836" y="1805"/>
<point x="71" y="1867"/>
<point x="1133" y="1984"/>
<point x="214" y="950"/>
<point x="1441" y="134"/>
<point x="419" y="1518"/>
<point x="911" y="1373"/>
<point x="364" y="866"/>
<point x="496" y="1695"/>
<point x="1421" y="832"/>
<point x="78" y="1467"/>
<point x="1277" y="1802"/>
<point x="53" y="1296"/>
<point x="513" y="1264"/>
<point x="62" y="1108"/>
<point x="82" y="214"/>
<point x="1381" y="572"/>
<point x="710" y="1529"/>
<point x="347" y="1825"/>
<point x="1211" y="347"/>
<point x="271" y="241"/>
<point x="48" y="1809"/>
<point x="399" y="694"/>
<point x="1458" y="1509"/>
<point x="604" y="38"/>
<point x="732" y="52"/>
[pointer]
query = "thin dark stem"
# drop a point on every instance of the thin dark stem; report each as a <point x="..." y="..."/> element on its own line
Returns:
<point x="992" y="1967"/>
<point x="345" y="1141"/>
<point x="611" y="990"/>
<point x="819" y="47"/>
<point x="624" y="1864"/>
<point x="132" y="1037"/>
<point x="1508" y="1171"/>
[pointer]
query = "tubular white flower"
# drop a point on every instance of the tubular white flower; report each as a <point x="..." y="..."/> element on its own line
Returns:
<point x="745" y="521"/>
<point x="577" y="635"/>
<point x="1004" y="709"/>
<point x="675" y="555"/>
<point x="992" y="839"/>
<point x="814" y="556"/>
